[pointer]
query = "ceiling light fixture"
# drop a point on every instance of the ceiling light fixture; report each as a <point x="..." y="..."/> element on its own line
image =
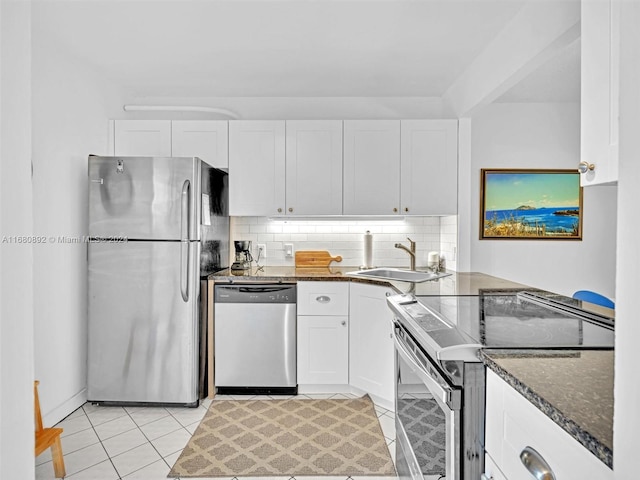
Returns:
<point x="179" y="108"/>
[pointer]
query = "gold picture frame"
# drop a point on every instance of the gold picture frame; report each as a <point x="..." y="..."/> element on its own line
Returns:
<point x="530" y="204"/>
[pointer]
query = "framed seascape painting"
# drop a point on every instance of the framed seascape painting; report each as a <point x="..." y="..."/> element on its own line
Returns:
<point x="530" y="204"/>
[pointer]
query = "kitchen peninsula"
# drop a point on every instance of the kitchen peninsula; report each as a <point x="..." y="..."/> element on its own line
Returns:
<point x="574" y="391"/>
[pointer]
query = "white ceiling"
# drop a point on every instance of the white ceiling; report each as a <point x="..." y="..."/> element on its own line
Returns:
<point x="558" y="80"/>
<point x="272" y="48"/>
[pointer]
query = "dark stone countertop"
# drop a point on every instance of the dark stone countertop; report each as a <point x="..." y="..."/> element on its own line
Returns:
<point x="573" y="388"/>
<point x="458" y="283"/>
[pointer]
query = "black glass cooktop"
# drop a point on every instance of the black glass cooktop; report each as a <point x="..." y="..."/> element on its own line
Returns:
<point x="516" y="320"/>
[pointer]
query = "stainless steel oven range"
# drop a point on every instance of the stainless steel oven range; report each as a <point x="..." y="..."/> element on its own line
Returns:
<point x="440" y="381"/>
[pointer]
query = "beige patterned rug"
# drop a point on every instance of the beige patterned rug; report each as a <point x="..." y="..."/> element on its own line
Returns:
<point x="293" y="437"/>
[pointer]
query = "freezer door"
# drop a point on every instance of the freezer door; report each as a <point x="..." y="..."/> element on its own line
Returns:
<point x="144" y="197"/>
<point x="143" y="322"/>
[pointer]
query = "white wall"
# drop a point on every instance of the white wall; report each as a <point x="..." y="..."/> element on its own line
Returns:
<point x="16" y="259"/>
<point x="539" y="136"/>
<point x="71" y="106"/>
<point x="342" y="237"/>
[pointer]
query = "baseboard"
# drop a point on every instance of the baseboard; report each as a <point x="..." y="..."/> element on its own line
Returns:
<point x="377" y="400"/>
<point x="323" y="389"/>
<point x="63" y="410"/>
<point x="326" y="389"/>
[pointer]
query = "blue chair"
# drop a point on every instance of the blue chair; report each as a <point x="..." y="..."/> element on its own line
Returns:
<point x="593" y="297"/>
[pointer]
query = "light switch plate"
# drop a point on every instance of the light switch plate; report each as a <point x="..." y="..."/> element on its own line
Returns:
<point x="288" y="249"/>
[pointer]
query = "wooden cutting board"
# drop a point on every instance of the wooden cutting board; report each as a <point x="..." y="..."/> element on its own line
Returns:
<point x="315" y="258"/>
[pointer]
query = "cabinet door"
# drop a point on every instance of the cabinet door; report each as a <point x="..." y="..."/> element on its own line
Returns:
<point x="371" y="361"/>
<point x="599" y="91"/>
<point x="429" y="167"/>
<point x="142" y="138"/>
<point x="491" y="470"/>
<point x="207" y="139"/>
<point x="314" y="167"/>
<point x="371" y="167"/>
<point x="513" y="423"/>
<point x="256" y="168"/>
<point x="323" y="350"/>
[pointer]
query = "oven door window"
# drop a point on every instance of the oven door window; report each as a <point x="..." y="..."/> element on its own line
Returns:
<point x="427" y="417"/>
<point x="423" y="421"/>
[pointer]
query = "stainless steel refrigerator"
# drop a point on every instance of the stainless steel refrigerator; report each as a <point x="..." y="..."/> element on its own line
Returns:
<point x="157" y="227"/>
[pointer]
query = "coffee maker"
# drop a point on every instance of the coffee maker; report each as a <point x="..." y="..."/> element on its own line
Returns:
<point x="243" y="255"/>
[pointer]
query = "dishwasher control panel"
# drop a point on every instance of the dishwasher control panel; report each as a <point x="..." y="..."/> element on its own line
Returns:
<point x="255" y="293"/>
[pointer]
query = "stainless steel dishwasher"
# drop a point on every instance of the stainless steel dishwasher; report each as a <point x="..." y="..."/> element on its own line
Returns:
<point x="255" y="339"/>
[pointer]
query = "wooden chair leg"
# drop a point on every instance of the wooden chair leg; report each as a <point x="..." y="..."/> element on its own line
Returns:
<point x="58" y="459"/>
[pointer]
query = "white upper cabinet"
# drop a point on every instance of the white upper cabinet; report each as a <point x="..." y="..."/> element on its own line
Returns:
<point x="314" y="167"/>
<point x="206" y="139"/>
<point x="371" y="167"/>
<point x="599" y="90"/>
<point x="149" y="138"/>
<point x="256" y="168"/>
<point x="429" y="167"/>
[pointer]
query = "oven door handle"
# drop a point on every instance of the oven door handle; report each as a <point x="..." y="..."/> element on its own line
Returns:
<point x="446" y="395"/>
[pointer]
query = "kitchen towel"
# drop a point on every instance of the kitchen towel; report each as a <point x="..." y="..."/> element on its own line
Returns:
<point x="368" y="250"/>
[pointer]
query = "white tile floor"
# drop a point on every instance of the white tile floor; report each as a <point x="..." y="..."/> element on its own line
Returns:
<point x="143" y="443"/>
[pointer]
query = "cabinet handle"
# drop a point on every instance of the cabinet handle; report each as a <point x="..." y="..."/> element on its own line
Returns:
<point x="584" y="167"/>
<point x="536" y="464"/>
<point x="395" y="209"/>
<point x="387" y="294"/>
<point x="406" y="209"/>
<point x="279" y="210"/>
<point x="343" y="323"/>
<point x="290" y="209"/>
<point x="485" y="477"/>
<point x="323" y="299"/>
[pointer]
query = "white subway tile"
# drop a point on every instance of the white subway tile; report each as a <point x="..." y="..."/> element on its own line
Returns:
<point x="340" y="229"/>
<point x="290" y="228"/>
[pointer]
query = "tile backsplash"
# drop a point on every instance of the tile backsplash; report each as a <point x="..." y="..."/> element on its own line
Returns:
<point x="345" y="237"/>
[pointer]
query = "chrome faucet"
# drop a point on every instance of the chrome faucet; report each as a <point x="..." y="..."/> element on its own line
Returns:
<point x="411" y="251"/>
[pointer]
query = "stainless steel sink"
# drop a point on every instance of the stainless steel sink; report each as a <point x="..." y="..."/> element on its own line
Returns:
<point x="398" y="275"/>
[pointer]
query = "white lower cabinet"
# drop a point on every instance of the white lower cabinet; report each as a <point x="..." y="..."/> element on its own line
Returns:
<point x="371" y="348"/>
<point x="514" y="424"/>
<point x="323" y="333"/>
<point x="323" y="350"/>
<point x="491" y="470"/>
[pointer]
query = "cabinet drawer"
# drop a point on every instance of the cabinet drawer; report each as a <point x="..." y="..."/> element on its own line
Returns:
<point x="323" y="298"/>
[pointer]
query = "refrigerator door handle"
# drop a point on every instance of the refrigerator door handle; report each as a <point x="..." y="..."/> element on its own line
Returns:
<point x="185" y="220"/>
<point x="184" y="269"/>
<point x="184" y="241"/>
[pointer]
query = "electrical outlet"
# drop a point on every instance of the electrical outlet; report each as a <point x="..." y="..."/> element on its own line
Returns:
<point x="288" y="249"/>
<point x="262" y="250"/>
